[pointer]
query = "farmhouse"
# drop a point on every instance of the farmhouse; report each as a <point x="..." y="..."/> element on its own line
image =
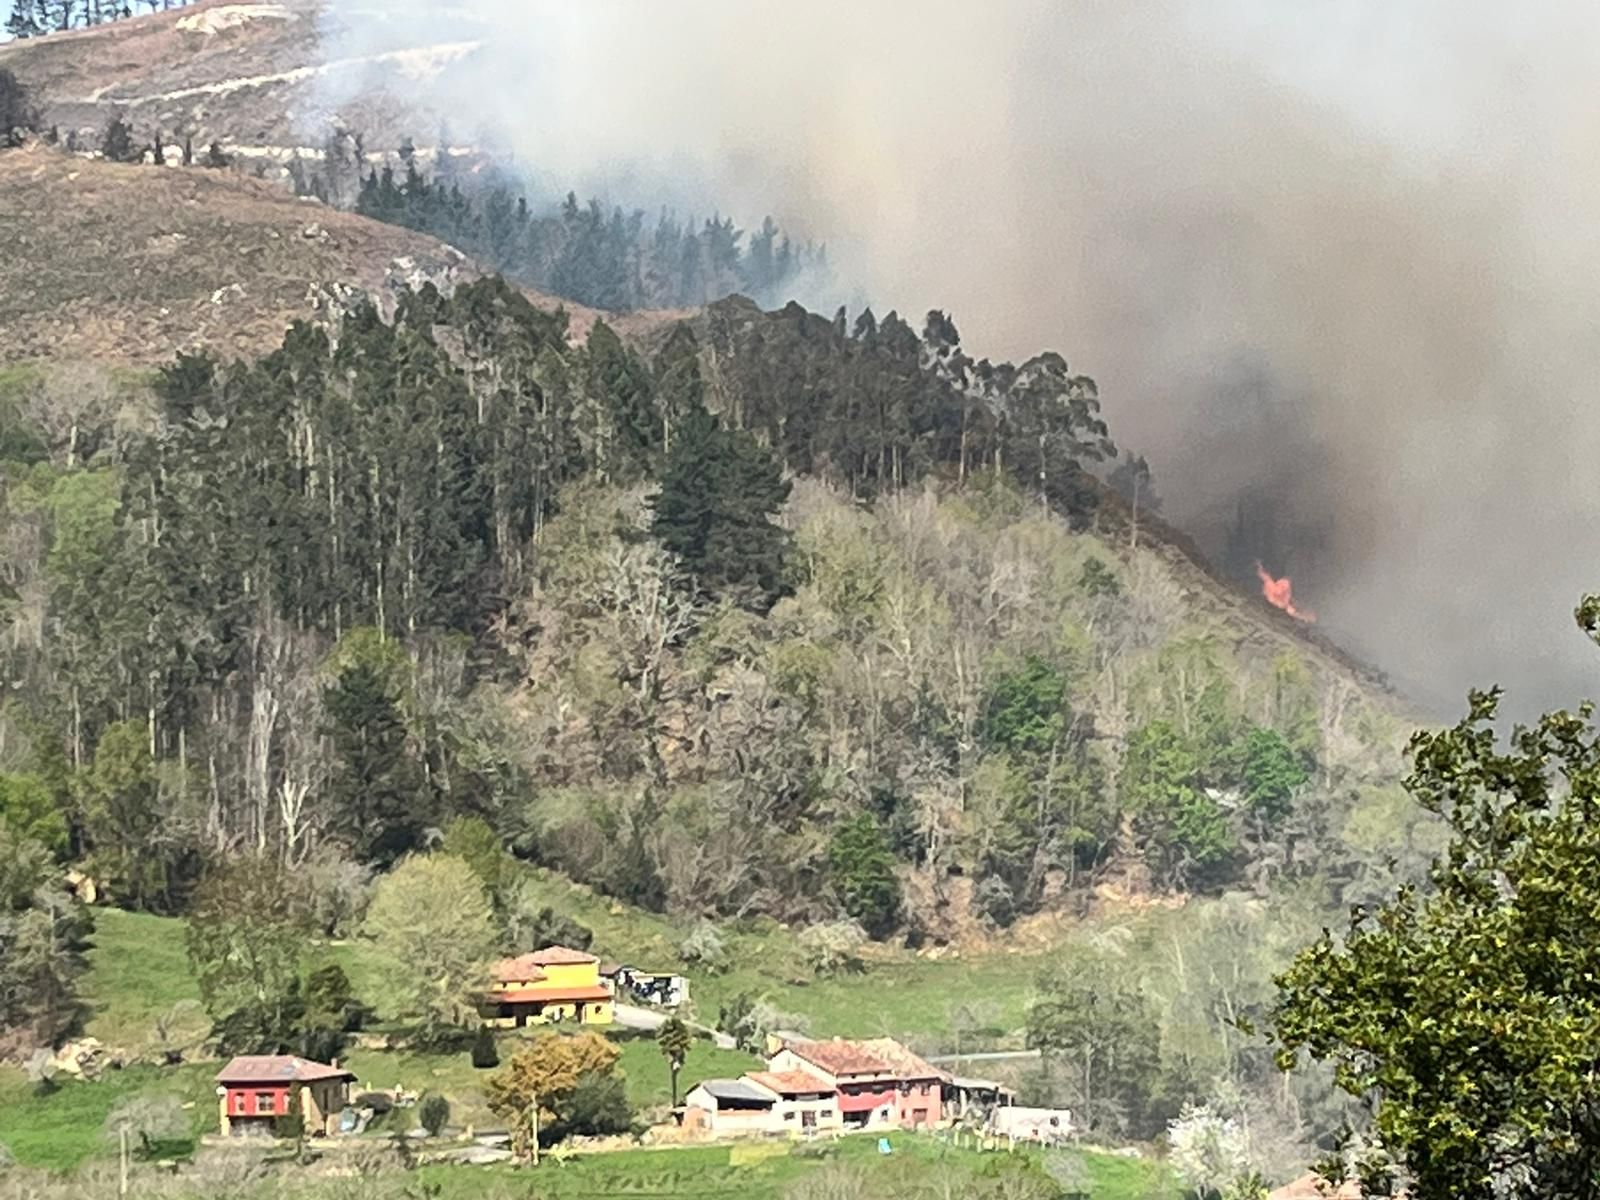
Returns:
<point x="813" y="1087"/>
<point x="880" y="1083"/>
<point x="254" y="1090"/>
<point x="550" y="985"/>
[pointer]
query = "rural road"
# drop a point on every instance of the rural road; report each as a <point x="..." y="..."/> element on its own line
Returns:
<point x="635" y="1017"/>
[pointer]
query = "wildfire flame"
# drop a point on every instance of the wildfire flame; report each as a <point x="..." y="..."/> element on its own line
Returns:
<point x="1280" y="594"/>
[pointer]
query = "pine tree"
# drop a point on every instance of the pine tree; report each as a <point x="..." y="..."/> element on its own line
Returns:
<point x="17" y="119"/>
<point x="25" y="20"/>
<point x="719" y="490"/>
<point x="117" y="142"/>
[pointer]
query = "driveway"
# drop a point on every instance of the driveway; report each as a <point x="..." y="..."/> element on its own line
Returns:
<point x="635" y="1017"/>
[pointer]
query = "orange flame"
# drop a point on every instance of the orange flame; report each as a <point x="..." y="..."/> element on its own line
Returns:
<point x="1280" y="594"/>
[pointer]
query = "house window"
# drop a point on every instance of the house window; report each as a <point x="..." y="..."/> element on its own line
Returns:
<point x="266" y="1102"/>
<point x="827" y="1112"/>
<point x="925" y="1089"/>
<point x="788" y="1116"/>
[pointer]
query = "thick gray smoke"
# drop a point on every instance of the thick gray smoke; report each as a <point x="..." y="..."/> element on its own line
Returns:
<point x="1330" y="262"/>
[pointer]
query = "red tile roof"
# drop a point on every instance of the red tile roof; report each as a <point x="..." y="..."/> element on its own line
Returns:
<point x="538" y="995"/>
<point x="790" y="1083"/>
<point x="874" y="1056"/>
<point x="559" y="956"/>
<point x="522" y="969"/>
<point x="905" y="1064"/>
<point x="841" y="1058"/>
<point x="280" y="1069"/>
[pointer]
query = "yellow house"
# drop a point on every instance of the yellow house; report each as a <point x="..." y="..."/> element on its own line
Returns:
<point x="551" y="985"/>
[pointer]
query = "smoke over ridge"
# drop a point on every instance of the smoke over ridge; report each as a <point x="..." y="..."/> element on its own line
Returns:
<point x="1332" y="264"/>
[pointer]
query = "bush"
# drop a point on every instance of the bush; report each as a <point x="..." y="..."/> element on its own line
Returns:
<point x="290" y="1127"/>
<point x="705" y="949"/>
<point x="597" y="1106"/>
<point x="994" y="899"/>
<point x="433" y="1113"/>
<point x="485" y="1054"/>
<point x="833" y="947"/>
<point x="151" y="1122"/>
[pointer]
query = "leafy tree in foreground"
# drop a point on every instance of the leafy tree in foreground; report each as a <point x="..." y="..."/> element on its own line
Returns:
<point x="245" y="937"/>
<point x="433" y="925"/>
<point x="547" y="1077"/>
<point x="1468" y="1016"/>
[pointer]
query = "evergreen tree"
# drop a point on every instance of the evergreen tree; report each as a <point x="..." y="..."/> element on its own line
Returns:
<point x="862" y="869"/>
<point x="28" y="19"/>
<point x="378" y="792"/>
<point x="719" y="491"/>
<point x="116" y="144"/>
<point x="17" y="119"/>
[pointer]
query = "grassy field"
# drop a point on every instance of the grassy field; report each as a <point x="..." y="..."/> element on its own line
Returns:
<point x="917" y="1167"/>
<point x="898" y="995"/>
<point x="853" y="1168"/>
<point x="139" y="970"/>
<point x="454" y="1076"/>
<point x="62" y="1129"/>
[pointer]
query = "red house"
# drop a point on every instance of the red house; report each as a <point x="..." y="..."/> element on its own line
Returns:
<point x="879" y="1082"/>
<point x="254" y="1090"/>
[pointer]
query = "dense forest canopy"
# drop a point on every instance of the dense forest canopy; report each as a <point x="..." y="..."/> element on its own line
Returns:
<point x="584" y="253"/>
<point x="323" y="597"/>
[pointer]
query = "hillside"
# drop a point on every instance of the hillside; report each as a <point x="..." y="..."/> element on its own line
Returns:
<point x="248" y="75"/>
<point x="130" y="265"/>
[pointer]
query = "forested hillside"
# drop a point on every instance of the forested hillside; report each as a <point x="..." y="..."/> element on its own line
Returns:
<point x="819" y="649"/>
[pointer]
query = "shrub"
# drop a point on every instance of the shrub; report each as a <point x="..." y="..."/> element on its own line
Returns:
<point x="290" y="1127"/>
<point x="705" y="949"/>
<point x="433" y="1113"/>
<point x="150" y="1122"/>
<point x="994" y="899"/>
<point x="833" y="947"/>
<point x="485" y="1054"/>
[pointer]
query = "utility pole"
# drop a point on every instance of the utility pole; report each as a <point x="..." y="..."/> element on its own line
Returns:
<point x="534" y="1117"/>
<point x="122" y="1156"/>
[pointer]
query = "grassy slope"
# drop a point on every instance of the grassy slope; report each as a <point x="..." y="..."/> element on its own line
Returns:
<point x="60" y="1130"/>
<point x="899" y="994"/>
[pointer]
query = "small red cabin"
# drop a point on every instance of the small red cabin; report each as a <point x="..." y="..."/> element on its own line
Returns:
<point x="254" y="1090"/>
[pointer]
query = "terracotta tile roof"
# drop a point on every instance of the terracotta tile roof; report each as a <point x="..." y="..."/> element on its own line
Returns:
<point x="839" y="1057"/>
<point x="904" y="1063"/>
<point x="559" y="956"/>
<point x="522" y="969"/>
<point x="278" y="1069"/>
<point x="790" y="1083"/>
<point x="875" y="1056"/>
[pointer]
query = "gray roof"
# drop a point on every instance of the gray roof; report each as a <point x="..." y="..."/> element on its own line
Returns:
<point x="736" y="1089"/>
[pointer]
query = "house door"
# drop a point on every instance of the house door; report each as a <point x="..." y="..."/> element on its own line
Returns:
<point x="808" y="1119"/>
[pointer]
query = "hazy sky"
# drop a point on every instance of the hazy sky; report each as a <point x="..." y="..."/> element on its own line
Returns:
<point x="1338" y="256"/>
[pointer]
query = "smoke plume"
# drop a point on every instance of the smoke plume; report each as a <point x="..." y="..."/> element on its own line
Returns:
<point x="1331" y="264"/>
